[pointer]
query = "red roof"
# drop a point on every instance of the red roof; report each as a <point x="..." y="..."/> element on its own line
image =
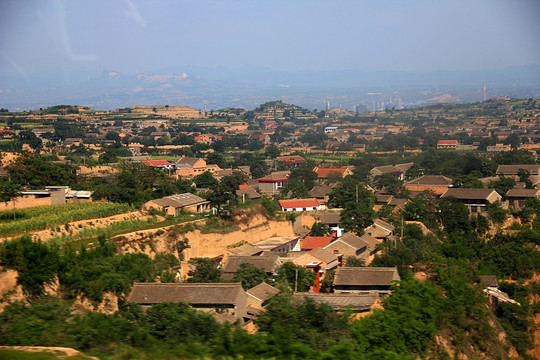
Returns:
<point x="315" y="242"/>
<point x="244" y="187"/>
<point x="298" y="203"/>
<point x="293" y="159"/>
<point x="159" y="162"/>
<point x="325" y="171"/>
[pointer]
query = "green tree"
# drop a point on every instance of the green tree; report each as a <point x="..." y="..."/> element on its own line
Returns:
<point x="502" y="185"/>
<point x="357" y="216"/>
<point x="294" y="189"/>
<point x="305" y="175"/>
<point x="9" y="192"/>
<point x="216" y="158"/>
<point x="292" y="322"/>
<point x="352" y="261"/>
<point x="250" y="275"/>
<point x="454" y="215"/>
<point x="319" y="229"/>
<point x="295" y="277"/>
<point x="496" y="213"/>
<point x="407" y="323"/>
<point x="258" y="169"/>
<point x="36" y="263"/>
<point x="390" y="185"/>
<point x="272" y="151"/>
<point x="205" y="271"/>
<point x="205" y="180"/>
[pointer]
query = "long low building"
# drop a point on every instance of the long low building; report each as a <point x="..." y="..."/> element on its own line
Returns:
<point x="174" y="204"/>
<point x="365" y="279"/>
<point x="226" y="297"/>
<point x="300" y="205"/>
<point x="476" y="200"/>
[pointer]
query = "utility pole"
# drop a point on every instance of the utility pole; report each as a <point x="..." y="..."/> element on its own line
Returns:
<point x="401" y="238"/>
<point x="296" y="281"/>
<point x="357" y="193"/>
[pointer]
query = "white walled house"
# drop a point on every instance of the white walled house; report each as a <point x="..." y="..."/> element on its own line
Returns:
<point x="300" y="205"/>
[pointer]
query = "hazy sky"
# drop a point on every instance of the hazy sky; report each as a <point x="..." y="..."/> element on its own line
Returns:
<point x="49" y="36"/>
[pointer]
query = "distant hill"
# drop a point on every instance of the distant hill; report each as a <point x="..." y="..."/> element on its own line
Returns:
<point x="248" y="87"/>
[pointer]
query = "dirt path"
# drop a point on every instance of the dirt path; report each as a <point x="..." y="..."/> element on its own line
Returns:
<point x="61" y="352"/>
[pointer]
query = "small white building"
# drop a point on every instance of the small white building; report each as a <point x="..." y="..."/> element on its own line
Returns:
<point x="330" y="129"/>
<point x="300" y="205"/>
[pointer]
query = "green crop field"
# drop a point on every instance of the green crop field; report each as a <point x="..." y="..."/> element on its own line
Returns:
<point x="43" y="217"/>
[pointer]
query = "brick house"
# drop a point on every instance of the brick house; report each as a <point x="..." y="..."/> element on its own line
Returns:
<point x="437" y="184"/>
<point x="324" y="172"/>
<point x="348" y="245"/>
<point x="174" y="204"/>
<point x="189" y="167"/>
<point x="447" y="144"/>
<point x="516" y="197"/>
<point x="272" y="184"/>
<point x="476" y="200"/>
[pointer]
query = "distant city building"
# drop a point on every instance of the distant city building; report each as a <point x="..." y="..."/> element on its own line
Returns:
<point x="360" y="109"/>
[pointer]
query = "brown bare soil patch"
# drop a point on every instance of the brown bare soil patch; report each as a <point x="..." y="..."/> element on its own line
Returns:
<point x="61" y="352"/>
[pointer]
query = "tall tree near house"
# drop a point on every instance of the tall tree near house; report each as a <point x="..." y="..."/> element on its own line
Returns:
<point x="250" y="275"/>
<point x="9" y="192"/>
<point x="295" y="277"/>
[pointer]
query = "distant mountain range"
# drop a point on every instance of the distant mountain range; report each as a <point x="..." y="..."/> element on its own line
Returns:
<point x="248" y="87"/>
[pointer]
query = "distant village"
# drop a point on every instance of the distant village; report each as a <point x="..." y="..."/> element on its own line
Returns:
<point x="297" y="160"/>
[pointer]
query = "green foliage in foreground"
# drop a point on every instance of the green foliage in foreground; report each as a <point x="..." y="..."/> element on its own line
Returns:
<point x="171" y="330"/>
<point x="43" y="217"/>
<point x="90" y="273"/>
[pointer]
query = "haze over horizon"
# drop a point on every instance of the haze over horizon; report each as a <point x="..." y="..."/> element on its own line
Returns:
<point x="40" y="38"/>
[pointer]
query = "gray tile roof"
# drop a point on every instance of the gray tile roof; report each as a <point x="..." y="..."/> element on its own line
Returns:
<point x="323" y="255"/>
<point x="371" y="241"/>
<point x="467" y="193"/>
<point x="523" y="193"/>
<point x="245" y="250"/>
<point x="366" y="276"/>
<point x="188" y="161"/>
<point x="278" y="175"/>
<point x="356" y="302"/>
<point x="263" y="291"/>
<point x="489" y="280"/>
<point x="435" y="180"/>
<point x="514" y="169"/>
<point x="250" y="193"/>
<point x="353" y="240"/>
<point x="267" y="263"/>
<point x="320" y="191"/>
<point x="180" y="200"/>
<point x="193" y="293"/>
<point x="330" y="217"/>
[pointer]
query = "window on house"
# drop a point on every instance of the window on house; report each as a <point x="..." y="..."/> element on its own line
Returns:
<point x="279" y="184"/>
